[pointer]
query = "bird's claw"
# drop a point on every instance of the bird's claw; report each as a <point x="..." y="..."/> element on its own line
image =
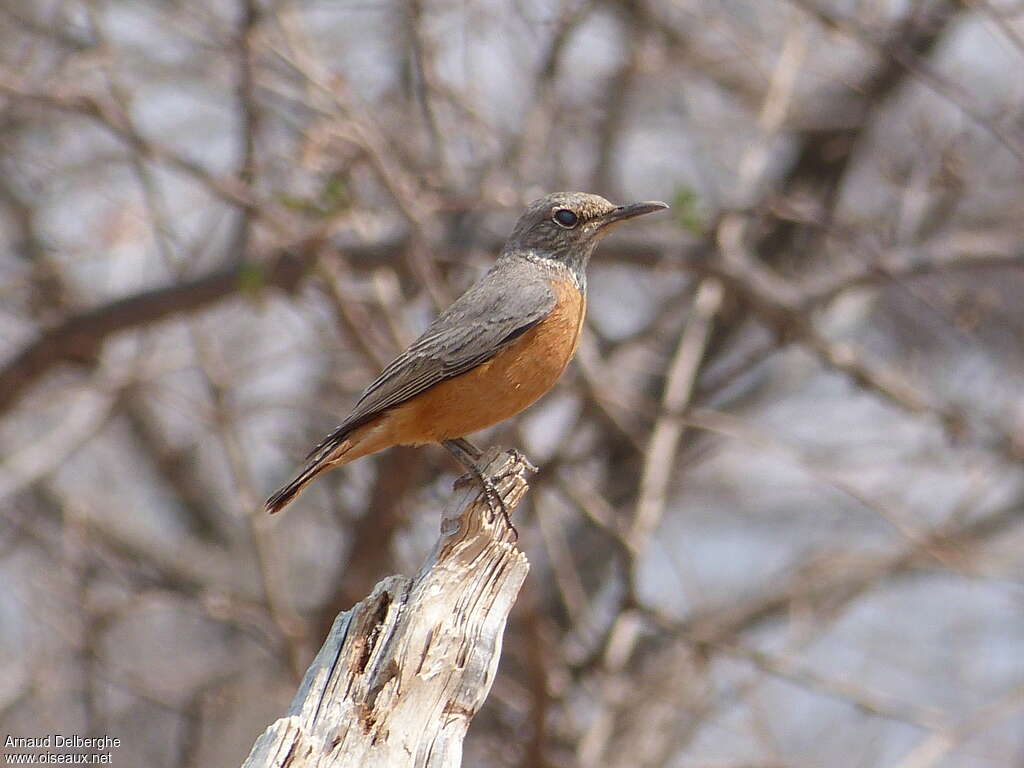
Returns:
<point x="497" y="504"/>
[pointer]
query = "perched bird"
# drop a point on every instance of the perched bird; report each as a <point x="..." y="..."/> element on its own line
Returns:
<point x="492" y="353"/>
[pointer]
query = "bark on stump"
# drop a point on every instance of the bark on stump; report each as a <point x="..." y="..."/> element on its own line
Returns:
<point x="402" y="673"/>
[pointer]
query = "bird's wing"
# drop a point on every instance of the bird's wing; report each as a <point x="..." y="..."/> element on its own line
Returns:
<point x="480" y="323"/>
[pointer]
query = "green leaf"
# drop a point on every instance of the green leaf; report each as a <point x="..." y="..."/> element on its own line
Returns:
<point x="251" y="279"/>
<point x="334" y="195"/>
<point x="689" y="213"/>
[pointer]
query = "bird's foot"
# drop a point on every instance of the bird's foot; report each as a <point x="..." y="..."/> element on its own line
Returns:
<point x="497" y="504"/>
<point x="520" y="458"/>
<point x="469" y="456"/>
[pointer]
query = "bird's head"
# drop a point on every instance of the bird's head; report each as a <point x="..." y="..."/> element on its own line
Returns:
<point x="566" y="227"/>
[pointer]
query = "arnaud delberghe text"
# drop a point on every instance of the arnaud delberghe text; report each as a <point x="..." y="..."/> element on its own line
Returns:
<point x="59" y="741"/>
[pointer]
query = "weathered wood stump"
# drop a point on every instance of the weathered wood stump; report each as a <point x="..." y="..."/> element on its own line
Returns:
<point x="402" y="673"/>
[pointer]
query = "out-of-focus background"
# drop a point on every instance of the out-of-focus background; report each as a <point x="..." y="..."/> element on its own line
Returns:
<point x="780" y="515"/>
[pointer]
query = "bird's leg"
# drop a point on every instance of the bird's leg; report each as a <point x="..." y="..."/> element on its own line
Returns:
<point x="464" y="450"/>
<point x="468" y="455"/>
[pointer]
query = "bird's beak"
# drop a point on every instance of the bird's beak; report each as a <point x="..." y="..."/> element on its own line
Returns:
<point x="623" y="212"/>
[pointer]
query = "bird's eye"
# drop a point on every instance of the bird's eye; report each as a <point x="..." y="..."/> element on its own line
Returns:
<point x="566" y="218"/>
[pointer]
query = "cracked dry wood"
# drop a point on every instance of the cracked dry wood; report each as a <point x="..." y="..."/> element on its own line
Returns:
<point x="402" y="673"/>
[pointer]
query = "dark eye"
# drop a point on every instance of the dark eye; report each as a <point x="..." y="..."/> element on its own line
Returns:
<point x="566" y="218"/>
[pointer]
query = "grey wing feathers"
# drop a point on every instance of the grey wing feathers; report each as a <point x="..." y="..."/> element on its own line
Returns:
<point x="472" y="330"/>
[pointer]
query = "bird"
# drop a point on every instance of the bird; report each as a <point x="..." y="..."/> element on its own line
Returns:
<point x="495" y="351"/>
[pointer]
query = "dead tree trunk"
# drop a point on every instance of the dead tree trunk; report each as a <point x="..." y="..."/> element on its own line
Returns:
<point x="402" y="673"/>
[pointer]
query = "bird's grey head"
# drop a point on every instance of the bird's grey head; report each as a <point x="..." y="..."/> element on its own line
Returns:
<point x="565" y="227"/>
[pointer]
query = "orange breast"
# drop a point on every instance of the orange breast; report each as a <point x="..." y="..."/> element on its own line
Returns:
<point x="492" y="392"/>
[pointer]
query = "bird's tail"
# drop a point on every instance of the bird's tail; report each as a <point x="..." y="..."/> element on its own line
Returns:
<point x="327" y="454"/>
